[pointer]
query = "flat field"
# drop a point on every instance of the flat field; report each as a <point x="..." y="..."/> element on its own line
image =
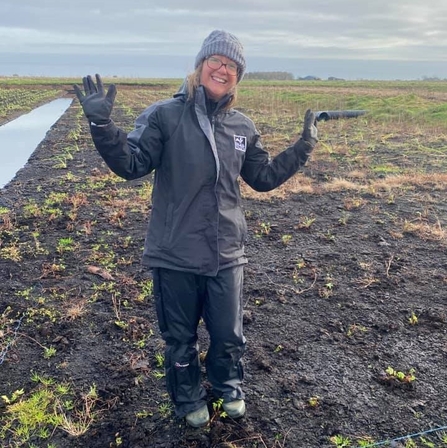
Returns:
<point x="345" y="292"/>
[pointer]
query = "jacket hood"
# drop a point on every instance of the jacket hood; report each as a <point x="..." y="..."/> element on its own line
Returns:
<point x="183" y="89"/>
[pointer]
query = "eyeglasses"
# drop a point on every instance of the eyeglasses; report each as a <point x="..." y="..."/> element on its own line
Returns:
<point x="216" y="63"/>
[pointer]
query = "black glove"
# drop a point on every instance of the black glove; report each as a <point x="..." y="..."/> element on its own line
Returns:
<point x="97" y="106"/>
<point x="310" y="131"/>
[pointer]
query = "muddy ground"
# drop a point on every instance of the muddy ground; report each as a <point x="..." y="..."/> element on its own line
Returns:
<point x="340" y="287"/>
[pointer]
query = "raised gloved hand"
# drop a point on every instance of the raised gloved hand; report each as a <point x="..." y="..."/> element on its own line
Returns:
<point x="310" y="131"/>
<point x="96" y="105"/>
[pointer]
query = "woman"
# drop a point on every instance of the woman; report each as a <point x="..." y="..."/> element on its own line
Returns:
<point x="198" y="146"/>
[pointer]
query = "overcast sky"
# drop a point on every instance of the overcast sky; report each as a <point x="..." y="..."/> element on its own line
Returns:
<point x="340" y="30"/>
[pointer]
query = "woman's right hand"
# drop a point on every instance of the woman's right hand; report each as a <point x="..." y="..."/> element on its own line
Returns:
<point x="96" y="105"/>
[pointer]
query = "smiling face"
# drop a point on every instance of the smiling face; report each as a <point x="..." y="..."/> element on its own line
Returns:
<point x="218" y="82"/>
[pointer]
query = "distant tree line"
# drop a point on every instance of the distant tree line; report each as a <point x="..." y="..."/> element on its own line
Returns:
<point x="284" y="76"/>
<point x="433" y="78"/>
<point x="279" y="76"/>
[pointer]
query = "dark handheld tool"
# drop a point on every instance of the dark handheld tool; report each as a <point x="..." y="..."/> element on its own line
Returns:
<point x="325" y="115"/>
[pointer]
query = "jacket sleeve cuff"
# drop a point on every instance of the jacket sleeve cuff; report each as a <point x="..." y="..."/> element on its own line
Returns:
<point x="103" y="125"/>
<point x="303" y="149"/>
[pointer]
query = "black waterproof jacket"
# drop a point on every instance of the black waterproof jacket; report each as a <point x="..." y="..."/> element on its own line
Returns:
<point x="196" y="224"/>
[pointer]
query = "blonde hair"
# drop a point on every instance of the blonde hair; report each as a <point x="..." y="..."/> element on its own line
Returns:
<point x="193" y="82"/>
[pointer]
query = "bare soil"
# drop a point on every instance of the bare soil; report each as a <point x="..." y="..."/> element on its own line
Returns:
<point x="339" y="287"/>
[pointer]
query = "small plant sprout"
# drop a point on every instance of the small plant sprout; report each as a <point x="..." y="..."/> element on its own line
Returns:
<point x="145" y="191"/>
<point x="217" y="405"/>
<point x="160" y="359"/>
<point x="413" y="319"/>
<point x="11" y="252"/>
<point x="144" y="414"/>
<point x="14" y="397"/>
<point x="328" y="235"/>
<point x="141" y="343"/>
<point x="159" y="375"/>
<point x="408" y="377"/>
<point x="65" y="245"/>
<point x="296" y="277"/>
<point x="391" y="198"/>
<point x="217" y="410"/>
<point x="52" y="269"/>
<point x="355" y="329"/>
<point x="300" y="264"/>
<point x="49" y="352"/>
<point x="121" y="324"/>
<point x="165" y="409"/>
<point x="264" y="229"/>
<point x="366" y="441"/>
<point x="354" y="203"/>
<point x="410" y="443"/>
<point x="126" y="241"/>
<point x="278" y="348"/>
<point x="340" y="441"/>
<point x="118" y="439"/>
<point x="61" y="161"/>
<point x="343" y="220"/>
<point x="313" y="401"/>
<point x="306" y="222"/>
<point x="279" y="437"/>
<point x="286" y="239"/>
<point x="327" y="290"/>
<point x="147" y="289"/>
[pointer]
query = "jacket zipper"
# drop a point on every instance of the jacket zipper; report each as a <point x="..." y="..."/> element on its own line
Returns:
<point x="213" y="122"/>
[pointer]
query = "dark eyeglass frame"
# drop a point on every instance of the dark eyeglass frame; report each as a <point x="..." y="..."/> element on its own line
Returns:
<point x="228" y="66"/>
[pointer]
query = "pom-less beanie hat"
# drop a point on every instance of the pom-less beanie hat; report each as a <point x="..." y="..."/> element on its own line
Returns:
<point x="225" y="44"/>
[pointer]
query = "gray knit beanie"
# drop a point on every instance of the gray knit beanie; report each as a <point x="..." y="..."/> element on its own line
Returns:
<point x="225" y="44"/>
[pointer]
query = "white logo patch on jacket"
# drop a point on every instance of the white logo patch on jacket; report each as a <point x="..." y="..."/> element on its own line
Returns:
<point x="240" y="143"/>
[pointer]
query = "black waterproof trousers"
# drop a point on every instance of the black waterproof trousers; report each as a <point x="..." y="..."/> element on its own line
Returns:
<point x="182" y="299"/>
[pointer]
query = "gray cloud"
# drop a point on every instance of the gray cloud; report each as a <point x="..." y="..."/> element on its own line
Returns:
<point x="321" y="29"/>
